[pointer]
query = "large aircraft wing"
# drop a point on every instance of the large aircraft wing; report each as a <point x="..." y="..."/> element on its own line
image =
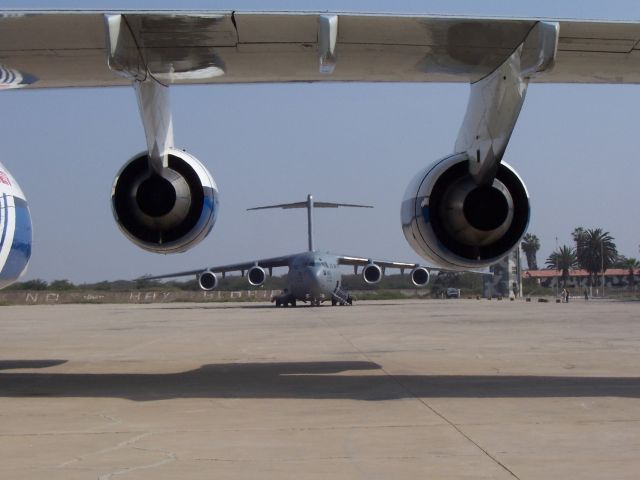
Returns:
<point x="361" y="262"/>
<point x="373" y="270"/>
<point x="267" y="263"/>
<point x="92" y="48"/>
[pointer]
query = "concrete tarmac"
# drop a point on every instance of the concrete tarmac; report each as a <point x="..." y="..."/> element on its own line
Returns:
<point x="457" y="389"/>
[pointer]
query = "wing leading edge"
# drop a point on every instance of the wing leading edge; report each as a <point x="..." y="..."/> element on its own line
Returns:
<point x="234" y="267"/>
<point x="72" y="49"/>
<point x="361" y="262"/>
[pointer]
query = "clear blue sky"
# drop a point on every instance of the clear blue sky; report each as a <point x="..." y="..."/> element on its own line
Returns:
<point x="576" y="146"/>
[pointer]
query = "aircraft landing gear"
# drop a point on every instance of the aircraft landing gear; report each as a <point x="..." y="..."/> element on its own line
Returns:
<point x="284" y="300"/>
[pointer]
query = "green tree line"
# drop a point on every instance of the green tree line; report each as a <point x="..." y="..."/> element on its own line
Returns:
<point x="439" y="282"/>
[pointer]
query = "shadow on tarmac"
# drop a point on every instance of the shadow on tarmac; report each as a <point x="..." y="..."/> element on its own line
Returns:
<point x="234" y="306"/>
<point x="17" y="364"/>
<point x="304" y="380"/>
<point x="258" y="306"/>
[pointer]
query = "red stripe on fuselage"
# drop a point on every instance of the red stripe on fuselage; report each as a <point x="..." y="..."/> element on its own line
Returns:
<point x="4" y="178"/>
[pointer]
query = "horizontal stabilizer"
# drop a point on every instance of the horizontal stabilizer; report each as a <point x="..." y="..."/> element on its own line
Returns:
<point x="315" y="204"/>
<point x="310" y="204"/>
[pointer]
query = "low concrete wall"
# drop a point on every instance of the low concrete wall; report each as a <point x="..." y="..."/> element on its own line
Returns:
<point x="159" y="296"/>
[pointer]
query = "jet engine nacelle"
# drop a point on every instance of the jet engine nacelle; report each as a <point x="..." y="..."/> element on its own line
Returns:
<point x="452" y="222"/>
<point x="207" y="280"/>
<point x="168" y="212"/>
<point x="256" y="276"/>
<point x="372" y="273"/>
<point x="420" y="276"/>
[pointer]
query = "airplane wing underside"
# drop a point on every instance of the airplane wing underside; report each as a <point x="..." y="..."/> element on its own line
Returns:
<point x="73" y="49"/>
<point x="152" y="50"/>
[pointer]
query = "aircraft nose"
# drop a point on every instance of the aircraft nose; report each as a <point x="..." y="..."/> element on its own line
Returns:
<point x="315" y="278"/>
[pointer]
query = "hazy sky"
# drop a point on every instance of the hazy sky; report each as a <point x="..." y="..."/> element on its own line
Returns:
<point x="576" y="147"/>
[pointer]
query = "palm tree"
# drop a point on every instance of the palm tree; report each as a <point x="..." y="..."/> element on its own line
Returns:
<point x="578" y="235"/>
<point x="597" y="252"/>
<point x="632" y="265"/>
<point x="563" y="259"/>
<point x="530" y="246"/>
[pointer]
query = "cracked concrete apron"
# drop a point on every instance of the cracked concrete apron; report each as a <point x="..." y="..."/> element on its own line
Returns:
<point x="414" y="389"/>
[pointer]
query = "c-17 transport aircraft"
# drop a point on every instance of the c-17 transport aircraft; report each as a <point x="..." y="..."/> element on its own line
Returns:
<point x="464" y="211"/>
<point x="314" y="276"/>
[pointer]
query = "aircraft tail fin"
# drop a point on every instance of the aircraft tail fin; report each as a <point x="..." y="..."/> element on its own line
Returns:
<point x="310" y="205"/>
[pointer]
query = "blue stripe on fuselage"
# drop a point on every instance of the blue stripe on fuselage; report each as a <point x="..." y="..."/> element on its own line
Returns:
<point x="21" y="247"/>
<point x="4" y="215"/>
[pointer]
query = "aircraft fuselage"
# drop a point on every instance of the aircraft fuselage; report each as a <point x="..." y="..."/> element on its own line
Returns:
<point x="15" y="230"/>
<point x="313" y="276"/>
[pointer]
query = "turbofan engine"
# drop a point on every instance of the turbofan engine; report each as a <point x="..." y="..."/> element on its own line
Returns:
<point x="207" y="280"/>
<point x="420" y="276"/>
<point x="169" y="212"/>
<point x="256" y="276"/>
<point x="451" y="221"/>
<point x="372" y="273"/>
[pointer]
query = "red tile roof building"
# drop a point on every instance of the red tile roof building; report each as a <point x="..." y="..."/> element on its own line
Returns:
<point x="614" y="277"/>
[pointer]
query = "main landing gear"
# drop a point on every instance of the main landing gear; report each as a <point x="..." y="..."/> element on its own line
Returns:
<point x="285" y="302"/>
<point x="335" y="302"/>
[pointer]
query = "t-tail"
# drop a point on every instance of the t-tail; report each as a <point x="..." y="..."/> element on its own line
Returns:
<point x="310" y="204"/>
<point x="15" y="230"/>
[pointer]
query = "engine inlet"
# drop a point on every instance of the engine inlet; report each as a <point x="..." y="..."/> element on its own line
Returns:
<point x="452" y="221"/>
<point x="485" y="208"/>
<point x="165" y="212"/>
